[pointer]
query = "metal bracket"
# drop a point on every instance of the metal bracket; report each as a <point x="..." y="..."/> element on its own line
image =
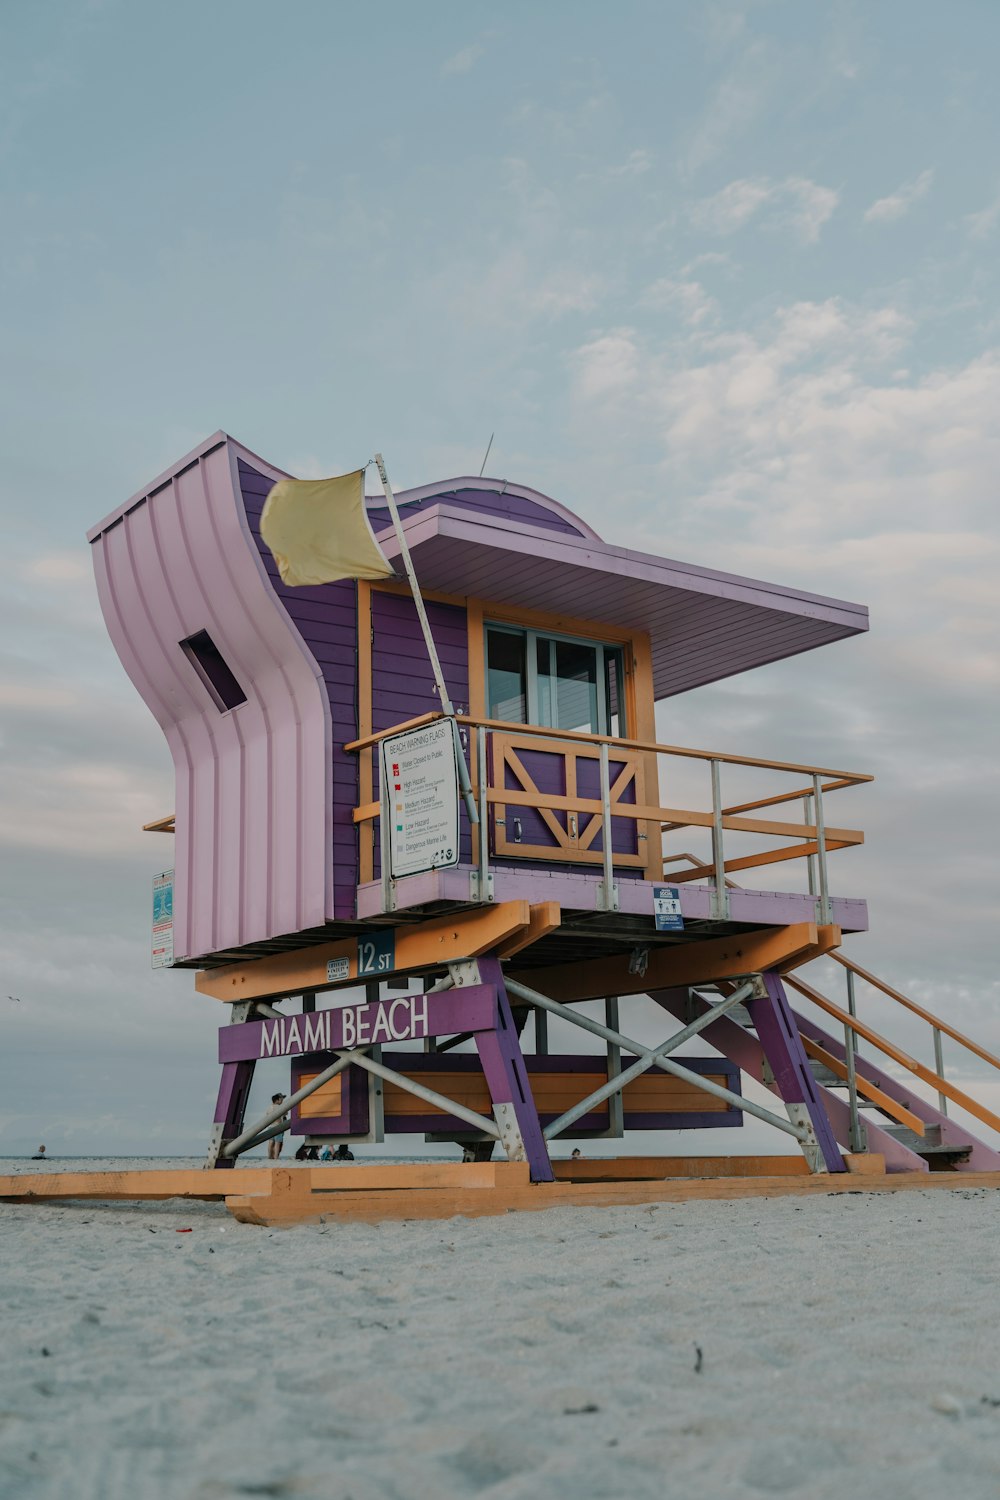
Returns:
<point x="638" y="962"/>
<point x="480" y="890"/>
<point x="510" y="1132"/>
<point x="811" y="1149"/>
<point x="214" y="1144"/>
<point x="604" y="901"/>
<point x="464" y="972"/>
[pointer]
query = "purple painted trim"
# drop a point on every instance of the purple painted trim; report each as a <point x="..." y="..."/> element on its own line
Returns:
<point x="353" y="1118"/>
<point x="704" y="625"/>
<point x="578" y="892"/>
<point x="470" y="1009"/>
<point x="982" y="1158"/>
<point x="586" y="1125"/>
<point x="600" y="557"/>
<point x="487" y="487"/>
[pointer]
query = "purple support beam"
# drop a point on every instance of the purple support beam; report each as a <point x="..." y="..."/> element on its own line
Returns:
<point x="230" y="1107"/>
<point x="507" y="1077"/>
<point x="772" y="1017"/>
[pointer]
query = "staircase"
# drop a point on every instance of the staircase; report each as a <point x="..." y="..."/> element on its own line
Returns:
<point x="937" y="1153"/>
<point x="883" y="1114"/>
<point x="880" y="1113"/>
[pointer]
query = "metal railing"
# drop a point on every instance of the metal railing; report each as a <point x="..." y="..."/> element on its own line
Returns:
<point x="573" y="840"/>
<point x="856" y="1029"/>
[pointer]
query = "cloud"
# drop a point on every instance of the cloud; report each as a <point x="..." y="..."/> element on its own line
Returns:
<point x="731" y="107"/>
<point x="635" y="164"/>
<point x="607" y="365"/>
<point x="727" y="211"/>
<point x="888" y="210"/>
<point x="792" y="450"/>
<point x="983" y="224"/>
<point x="796" y="204"/>
<point x="688" y="299"/>
<point x="463" y="61"/>
<point x="58" y="567"/>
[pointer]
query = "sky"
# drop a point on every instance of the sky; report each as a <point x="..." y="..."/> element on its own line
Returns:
<point x="722" y="278"/>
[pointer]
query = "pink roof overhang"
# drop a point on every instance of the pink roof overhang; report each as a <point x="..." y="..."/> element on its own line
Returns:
<point x="704" y="625"/>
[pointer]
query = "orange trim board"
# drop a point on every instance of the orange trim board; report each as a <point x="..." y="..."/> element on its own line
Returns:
<point x="285" y="1196"/>
<point x="437" y="941"/>
<point x="508" y="1196"/>
<point x="780" y="948"/>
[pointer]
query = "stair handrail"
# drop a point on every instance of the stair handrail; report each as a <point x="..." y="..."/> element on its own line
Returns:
<point x="925" y="1074"/>
<point x="918" y="1010"/>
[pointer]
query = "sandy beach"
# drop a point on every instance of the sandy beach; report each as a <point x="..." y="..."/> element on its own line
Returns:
<point x="821" y="1347"/>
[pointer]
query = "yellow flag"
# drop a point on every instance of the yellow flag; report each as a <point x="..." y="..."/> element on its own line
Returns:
<point x="318" y="531"/>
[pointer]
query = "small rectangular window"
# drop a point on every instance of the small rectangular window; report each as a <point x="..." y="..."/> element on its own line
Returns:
<point x="208" y="661"/>
<point x="505" y="667"/>
<point x="554" y="680"/>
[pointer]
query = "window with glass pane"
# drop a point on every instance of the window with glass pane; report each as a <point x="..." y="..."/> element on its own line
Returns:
<point x="505" y="676"/>
<point x="554" y="680"/>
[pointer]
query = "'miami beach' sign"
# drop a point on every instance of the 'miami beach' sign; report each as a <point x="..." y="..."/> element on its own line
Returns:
<point x="400" y="1020"/>
<point x="404" y="1018"/>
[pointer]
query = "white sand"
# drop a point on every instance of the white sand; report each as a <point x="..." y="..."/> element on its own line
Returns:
<point x="850" y="1347"/>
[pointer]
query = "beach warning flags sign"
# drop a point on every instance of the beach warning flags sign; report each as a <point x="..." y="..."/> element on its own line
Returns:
<point x="318" y="531"/>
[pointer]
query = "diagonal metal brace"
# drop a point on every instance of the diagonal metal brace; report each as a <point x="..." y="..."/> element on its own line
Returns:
<point x="653" y="1057"/>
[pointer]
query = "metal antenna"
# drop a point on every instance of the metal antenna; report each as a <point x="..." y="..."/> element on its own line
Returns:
<point x="486" y="455"/>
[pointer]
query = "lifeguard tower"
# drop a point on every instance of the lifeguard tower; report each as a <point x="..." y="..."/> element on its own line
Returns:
<point x="323" y="841"/>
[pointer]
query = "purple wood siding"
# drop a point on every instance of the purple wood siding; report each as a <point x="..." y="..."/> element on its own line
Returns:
<point x="326" y="618"/>
<point x="548" y="771"/>
<point x="484" y="502"/>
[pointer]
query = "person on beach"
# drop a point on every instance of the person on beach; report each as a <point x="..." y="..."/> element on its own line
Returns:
<point x="276" y="1142"/>
<point x="39" y="1154"/>
<point x="343" y="1153"/>
<point x="576" y="1154"/>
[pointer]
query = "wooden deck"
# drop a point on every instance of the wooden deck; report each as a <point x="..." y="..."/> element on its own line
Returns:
<point x="370" y="1194"/>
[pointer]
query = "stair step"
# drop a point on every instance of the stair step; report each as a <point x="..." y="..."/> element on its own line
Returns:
<point x="930" y="1144"/>
<point x="824" y="1075"/>
<point x="929" y="1141"/>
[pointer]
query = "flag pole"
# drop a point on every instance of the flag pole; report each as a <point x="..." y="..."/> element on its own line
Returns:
<point x="442" y="691"/>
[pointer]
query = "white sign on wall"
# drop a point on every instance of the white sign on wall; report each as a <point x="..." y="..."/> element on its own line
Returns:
<point x="420" y="799"/>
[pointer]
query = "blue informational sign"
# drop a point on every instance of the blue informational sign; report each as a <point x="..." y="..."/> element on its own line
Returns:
<point x="163" y="920"/>
<point x="377" y="953"/>
<point x="667" y="908"/>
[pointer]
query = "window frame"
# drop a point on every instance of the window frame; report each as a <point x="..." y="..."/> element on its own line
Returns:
<point x="532" y="635"/>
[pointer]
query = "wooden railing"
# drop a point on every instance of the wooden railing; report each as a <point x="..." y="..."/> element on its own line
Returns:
<point x="625" y="796"/>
